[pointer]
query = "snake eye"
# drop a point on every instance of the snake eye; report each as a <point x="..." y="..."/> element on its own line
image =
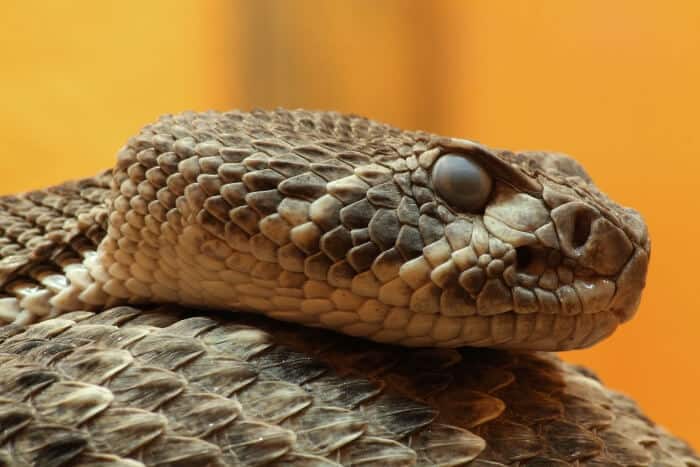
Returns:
<point x="462" y="182"/>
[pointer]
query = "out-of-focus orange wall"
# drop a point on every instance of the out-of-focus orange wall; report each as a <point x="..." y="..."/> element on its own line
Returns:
<point x="613" y="83"/>
<point x="77" y="77"/>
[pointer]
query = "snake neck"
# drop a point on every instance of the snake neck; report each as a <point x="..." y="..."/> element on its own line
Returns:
<point x="48" y="238"/>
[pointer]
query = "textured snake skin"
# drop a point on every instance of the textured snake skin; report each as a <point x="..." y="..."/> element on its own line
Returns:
<point x="344" y="223"/>
<point x="332" y="221"/>
<point x="130" y="387"/>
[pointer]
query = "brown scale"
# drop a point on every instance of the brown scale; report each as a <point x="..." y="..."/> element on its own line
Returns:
<point x="130" y="385"/>
<point x="320" y="204"/>
<point x="38" y="225"/>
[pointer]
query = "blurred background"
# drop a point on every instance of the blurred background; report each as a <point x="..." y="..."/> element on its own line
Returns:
<point x="613" y="83"/>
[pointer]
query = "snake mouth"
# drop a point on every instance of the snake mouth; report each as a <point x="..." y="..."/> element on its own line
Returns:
<point x="558" y="304"/>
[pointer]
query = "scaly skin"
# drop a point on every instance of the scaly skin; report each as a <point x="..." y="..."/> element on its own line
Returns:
<point x="132" y="386"/>
<point x="335" y="221"/>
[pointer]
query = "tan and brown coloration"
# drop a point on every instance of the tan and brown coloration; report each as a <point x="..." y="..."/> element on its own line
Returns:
<point x="132" y="387"/>
<point x="333" y="221"/>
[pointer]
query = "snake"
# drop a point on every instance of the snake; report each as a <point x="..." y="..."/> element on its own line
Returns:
<point x="307" y="288"/>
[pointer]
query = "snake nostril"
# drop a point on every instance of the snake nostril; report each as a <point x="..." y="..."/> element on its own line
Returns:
<point x="582" y="229"/>
<point x="524" y="257"/>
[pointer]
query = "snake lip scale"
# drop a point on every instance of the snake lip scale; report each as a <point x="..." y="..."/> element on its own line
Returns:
<point x="341" y="222"/>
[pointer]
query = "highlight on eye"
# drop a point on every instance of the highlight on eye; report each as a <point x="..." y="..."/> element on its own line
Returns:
<point x="462" y="182"/>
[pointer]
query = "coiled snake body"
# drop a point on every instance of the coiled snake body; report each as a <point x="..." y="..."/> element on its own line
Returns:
<point x="332" y="221"/>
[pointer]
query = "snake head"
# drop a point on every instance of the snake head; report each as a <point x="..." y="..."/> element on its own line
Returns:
<point x="530" y="249"/>
<point x="341" y="222"/>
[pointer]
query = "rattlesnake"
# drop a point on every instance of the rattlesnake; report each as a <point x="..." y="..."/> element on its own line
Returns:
<point x="420" y="243"/>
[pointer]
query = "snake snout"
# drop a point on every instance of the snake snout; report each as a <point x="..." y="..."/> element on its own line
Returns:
<point x="629" y="285"/>
<point x="595" y="242"/>
<point x="589" y="238"/>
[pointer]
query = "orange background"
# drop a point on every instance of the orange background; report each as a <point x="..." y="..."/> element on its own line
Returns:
<point x="613" y="83"/>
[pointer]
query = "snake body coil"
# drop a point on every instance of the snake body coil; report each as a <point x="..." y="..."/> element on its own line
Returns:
<point x="332" y="221"/>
